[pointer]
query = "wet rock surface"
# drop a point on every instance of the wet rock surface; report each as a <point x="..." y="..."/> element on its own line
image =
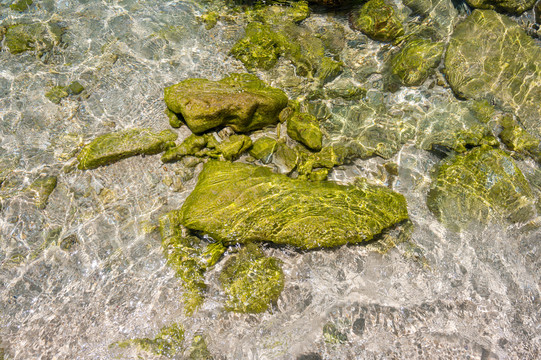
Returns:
<point x="478" y="185"/>
<point x="241" y="101"/>
<point x="490" y="57"/>
<point x="239" y="203"/>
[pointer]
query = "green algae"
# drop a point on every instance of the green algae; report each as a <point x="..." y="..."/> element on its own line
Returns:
<point x="240" y="101"/>
<point x="21" y="5"/>
<point x="241" y="203"/>
<point x="56" y="94"/>
<point x="112" y="147"/>
<point x="189" y="257"/>
<point x="519" y="140"/>
<point x="316" y="166"/>
<point x="210" y="19"/>
<point x="413" y="63"/>
<point x="377" y="20"/>
<point x="516" y="7"/>
<point x="263" y="148"/>
<point x="39" y="37"/>
<point x="168" y="342"/>
<point x="491" y="58"/>
<point x="453" y="125"/>
<point x="304" y="128"/>
<point x="477" y="186"/>
<point x="333" y="335"/>
<point x="251" y="281"/>
<point x="199" y="349"/>
<point x="273" y="32"/>
<point x="207" y="146"/>
<point x="40" y="190"/>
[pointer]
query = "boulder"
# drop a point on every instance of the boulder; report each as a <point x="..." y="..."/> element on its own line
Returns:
<point x="377" y="20"/>
<point x="240" y="101"/>
<point x="478" y="186"/>
<point x="240" y="203"/>
<point x="490" y="57"/>
<point x="415" y="60"/>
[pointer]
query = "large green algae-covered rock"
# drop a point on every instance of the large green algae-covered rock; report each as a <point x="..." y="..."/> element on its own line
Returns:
<point x="415" y="60"/>
<point x="510" y="6"/>
<point x="490" y="57"/>
<point x="40" y="37"/>
<point x="112" y="147"/>
<point x="239" y="203"/>
<point x="251" y="281"/>
<point x="240" y="101"/>
<point x="377" y="20"/>
<point x="480" y="185"/>
<point x="440" y="17"/>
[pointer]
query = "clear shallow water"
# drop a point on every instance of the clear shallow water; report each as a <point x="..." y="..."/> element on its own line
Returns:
<point x="478" y="298"/>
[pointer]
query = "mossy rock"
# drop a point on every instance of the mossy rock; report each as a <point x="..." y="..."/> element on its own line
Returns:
<point x="199" y="349"/>
<point x="453" y="125"/>
<point x="168" y="342"/>
<point x="39" y="37"/>
<point x="40" y="190"/>
<point x="491" y="58"/>
<point x="21" y="5"/>
<point x="240" y="101"/>
<point x="304" y="128"/>
<point x="440" y="18"/>
<point x="251" y="281"/>
<point x="240" y="203"/>
<point x="515" y="7"/>
<point x="112" y="147"/>
<point x="274" y="33"/>
<point x="263" y="148"/>
<point x="56" y="94"/>
<point x="480" y="185"/>
<point x="377" y="20"/>
<point x="518" y="140"/>
<point x="206" y="145"/>
<point x="413" y="63"/>
<point x="316" y="166"/>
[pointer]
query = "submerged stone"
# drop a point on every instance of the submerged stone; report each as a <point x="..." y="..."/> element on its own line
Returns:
<point x="168" y="342"/>
<point x="240" y="101"/>
<point x="263" y="148"/>
<point x="112" y="147"/>
<point x="490" y="58"/>
<point x="251" y="280"/>
<point x="478" y="186"/>
<point x="40" y="37"/>
<point x="368" y="129"/>
<point x="56" y="94"/>
<point x="21" y="5"/>
<point x="377" y="20"/>
<point x="234" y="146"/>
<point x="453" y="125"/>
<point x="304" y="128"/>
<point x="516" y="7"/>
<point x="440" y="17"/>
<point x="414" y="62"/>
<point x="240" y="203"/>
<point x="40" y="190"/>
<point x="189" y="257"/>
<point x="518" y="140"/>
<point x="274" y="33"/>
